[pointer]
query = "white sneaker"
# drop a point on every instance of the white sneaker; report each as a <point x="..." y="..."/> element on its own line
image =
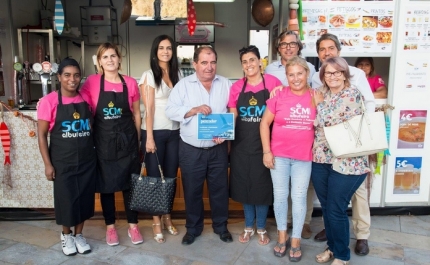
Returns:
<point x="68" y="244"/>
<point x="81" y="244"/>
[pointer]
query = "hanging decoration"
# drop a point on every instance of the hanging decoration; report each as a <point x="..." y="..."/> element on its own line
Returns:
<point x="59" y="16"/>
<point x="263" y="12"/>
<point x="293" y="23"/>
<point x="191" y="17"/>
<point x="5" y="142"/>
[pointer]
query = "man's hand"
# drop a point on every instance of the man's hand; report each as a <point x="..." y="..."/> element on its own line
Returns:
<point x="203" y="109"/>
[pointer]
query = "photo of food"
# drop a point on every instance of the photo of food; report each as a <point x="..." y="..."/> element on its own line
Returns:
<point x="322" y="19"/>
<point x="367" y="38"/>
<point x="412" y="127"/>
<point x="386" y="22"/>
<point x="352" y="19"/>
<point x="349" y="42"/>
<point x="337" y="21"/>
<point x="383" y="37"/>
<point x="322" y="32"/>
<point x="312" y="32"/>
<point x="370" y="22"/>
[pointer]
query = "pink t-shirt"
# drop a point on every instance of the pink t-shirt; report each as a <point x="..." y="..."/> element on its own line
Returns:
<point x="91" y="87"/>
<point x="236" y="88"/>
<point x="293" y="126"/>
<point x="47" y="109"/>
<point x="375" y="82"/>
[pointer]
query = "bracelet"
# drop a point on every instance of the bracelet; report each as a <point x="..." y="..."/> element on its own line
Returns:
<point x="268" y="152"/>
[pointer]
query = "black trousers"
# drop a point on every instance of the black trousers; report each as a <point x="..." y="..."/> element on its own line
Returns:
<point x="107" y="201"/>
<point x="198" y="165"/>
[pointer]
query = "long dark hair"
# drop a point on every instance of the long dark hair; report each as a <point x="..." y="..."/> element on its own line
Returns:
<point x="173" y="63"/>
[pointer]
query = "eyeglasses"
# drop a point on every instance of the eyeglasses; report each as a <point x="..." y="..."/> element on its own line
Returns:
<point x="336" y="74"/>
<point x="247" y="49"/>
<point x="284" y="45"/>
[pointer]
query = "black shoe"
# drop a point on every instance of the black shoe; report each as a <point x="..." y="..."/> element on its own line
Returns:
<point x="321" y="236"/>
<point x="361" y="247"/>
<point x="188" y="239"/>
<point x="225" y="236"/>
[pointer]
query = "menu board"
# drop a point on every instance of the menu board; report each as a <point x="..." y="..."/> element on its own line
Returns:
<point x="360" y="28"/>
<point x="417" y="29"/>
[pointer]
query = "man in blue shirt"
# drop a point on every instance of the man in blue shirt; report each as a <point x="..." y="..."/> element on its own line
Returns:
<point x="202" y="92"/>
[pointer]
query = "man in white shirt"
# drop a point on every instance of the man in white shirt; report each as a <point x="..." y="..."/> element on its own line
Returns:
<point x="329" y="46"/>
<point x="289" y="45"/>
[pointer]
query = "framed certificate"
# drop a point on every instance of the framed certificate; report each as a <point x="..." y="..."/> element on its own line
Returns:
<point x="215" y="126"/>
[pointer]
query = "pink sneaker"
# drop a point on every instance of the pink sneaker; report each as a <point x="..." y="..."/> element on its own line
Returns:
<point x="112" y="237"/>
<point x="134" y="234"/>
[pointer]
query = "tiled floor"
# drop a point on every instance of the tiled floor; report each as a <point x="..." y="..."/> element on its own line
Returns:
<point x="394" y="240"/>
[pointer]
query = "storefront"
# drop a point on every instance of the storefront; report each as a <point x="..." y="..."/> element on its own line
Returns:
<point x="395" y="33"/>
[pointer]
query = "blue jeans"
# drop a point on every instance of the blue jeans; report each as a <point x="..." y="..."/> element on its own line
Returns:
<point x="300" y="172"/>
<point x="334" y="191"/>
<point x="255" y="212"/>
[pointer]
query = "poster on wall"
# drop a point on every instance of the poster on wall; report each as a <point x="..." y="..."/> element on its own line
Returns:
<point x="417" y="74"/>
<point x="417" y="29"/>
<point x="407" y="175"/>
<point x="362" y="29"/>
<point x="412" y="129"/>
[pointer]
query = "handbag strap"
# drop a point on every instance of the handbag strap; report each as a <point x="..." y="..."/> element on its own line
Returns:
<point x="142" y="169"/>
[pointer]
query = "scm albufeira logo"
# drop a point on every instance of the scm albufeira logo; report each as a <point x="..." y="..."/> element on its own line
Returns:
<point x="253" y="112"/>
<point x="111" y="112"/>
<point x="76" y="128"/>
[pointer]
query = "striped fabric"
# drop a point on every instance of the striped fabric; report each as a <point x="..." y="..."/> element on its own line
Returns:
<point x="59" y="16"/>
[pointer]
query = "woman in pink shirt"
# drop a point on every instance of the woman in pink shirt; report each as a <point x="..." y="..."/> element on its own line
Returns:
<point x="288" y="152"/>
<point x="375" y="81"/>
<point x="116" y="103"/>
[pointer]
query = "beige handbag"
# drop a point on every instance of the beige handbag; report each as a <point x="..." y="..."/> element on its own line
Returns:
<point x="361" y="135"/>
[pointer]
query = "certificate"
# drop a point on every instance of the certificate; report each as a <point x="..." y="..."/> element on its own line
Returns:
<point x="215" y="126"/>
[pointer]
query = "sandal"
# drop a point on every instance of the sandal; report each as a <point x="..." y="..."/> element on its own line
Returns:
<point x="294" y="250"/>
<point x="280" y="246"/>
<point x="246" y="235"/>
<point x="170" y="228"/>
<point x="159" y="238"/>
<point x="325" y="256"/>
<point x="263" y="238"/>
<point x="339" y="262"/>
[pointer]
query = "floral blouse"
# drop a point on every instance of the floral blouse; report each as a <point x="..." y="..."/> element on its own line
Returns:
<point x="335" y="109"/>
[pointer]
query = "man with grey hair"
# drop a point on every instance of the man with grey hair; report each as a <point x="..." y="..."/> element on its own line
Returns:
<point x="289" y="45"/>
<point x="329" y="46"/>
<point x="202" y="92"/>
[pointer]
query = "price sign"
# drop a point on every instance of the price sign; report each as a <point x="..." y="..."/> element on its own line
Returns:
<point x="401" y="163"/>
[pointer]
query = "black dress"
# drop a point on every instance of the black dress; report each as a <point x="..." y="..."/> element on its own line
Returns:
<point x="73" y="156"/>
<point x="250" y="181"/>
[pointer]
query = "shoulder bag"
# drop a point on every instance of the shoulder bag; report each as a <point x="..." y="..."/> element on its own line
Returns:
<point x="361" y="135"/>
<point x="153" y="195"/>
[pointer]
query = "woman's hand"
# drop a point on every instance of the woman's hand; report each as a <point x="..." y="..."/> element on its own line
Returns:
<point x="273" y="93"/>
<point x="150" y="146"/>
<point x="269" y="160"/>
<point x="50" y="172"/>
<point x="317" y="96"/>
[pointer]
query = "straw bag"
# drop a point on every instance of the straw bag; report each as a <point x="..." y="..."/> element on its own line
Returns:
<point x="153" y="195"/>
<point x="363" y="134"/>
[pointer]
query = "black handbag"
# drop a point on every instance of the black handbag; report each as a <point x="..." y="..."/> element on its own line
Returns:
<point x="153" y="195"/>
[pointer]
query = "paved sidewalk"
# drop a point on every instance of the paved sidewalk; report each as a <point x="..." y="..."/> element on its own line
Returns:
<point x="394" y="240"/>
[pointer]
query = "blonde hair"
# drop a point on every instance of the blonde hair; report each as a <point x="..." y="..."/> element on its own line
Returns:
<point x="102" y="49"/>
<point x="296" y="60"/>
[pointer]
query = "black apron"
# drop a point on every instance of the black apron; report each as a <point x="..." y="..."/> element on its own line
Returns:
<point x="250" y="180"/>
<point x="115" y="138"/>
<point x="73" y="156"/>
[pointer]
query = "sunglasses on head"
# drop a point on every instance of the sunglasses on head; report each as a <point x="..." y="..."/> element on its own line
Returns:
<point x="247" y="49"/>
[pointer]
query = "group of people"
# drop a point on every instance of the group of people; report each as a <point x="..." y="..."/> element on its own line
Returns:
<point x="279" y="138"/>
